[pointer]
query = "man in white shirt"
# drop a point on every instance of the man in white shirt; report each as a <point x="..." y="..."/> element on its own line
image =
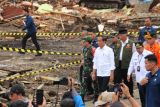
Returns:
<point x="137" y="65"/>
<point x="103" y="65"/>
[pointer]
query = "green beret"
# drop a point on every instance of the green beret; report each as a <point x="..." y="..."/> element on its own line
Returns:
<point x="87" y="39"/>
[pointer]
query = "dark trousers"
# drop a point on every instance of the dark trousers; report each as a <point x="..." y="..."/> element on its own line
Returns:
<point x="121" y="76"/>
<point x="34" y="40"/>
<point x="89" y="85"/>
<point x="142" y="93"/>
<point x="102" y="84"/>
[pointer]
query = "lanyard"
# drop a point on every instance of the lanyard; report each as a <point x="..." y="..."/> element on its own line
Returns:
<point x="139" y="59"/>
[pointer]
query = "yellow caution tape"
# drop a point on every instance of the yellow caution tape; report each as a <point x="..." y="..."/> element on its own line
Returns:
<point x="59" y="34"/>
<point x="40" y="71"/>
<point x="11" y="49"/>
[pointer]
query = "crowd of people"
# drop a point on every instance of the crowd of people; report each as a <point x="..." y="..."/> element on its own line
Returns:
<point x="104" y="64"/>
<point x="106" y="71"/>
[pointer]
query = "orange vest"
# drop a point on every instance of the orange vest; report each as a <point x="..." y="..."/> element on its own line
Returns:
<point x="155" y="48"/>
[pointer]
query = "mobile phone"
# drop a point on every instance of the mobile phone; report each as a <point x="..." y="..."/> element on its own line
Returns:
<point x="39" y="97"/>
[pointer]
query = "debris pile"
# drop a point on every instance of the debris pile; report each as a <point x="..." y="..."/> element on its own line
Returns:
<point x="68" y="16"/>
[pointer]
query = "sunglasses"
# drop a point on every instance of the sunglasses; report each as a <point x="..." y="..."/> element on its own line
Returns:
<point x="148" y="38"/>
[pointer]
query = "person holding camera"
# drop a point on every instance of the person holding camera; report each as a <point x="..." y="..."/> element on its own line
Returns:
<point x="152" y="81"/>
<point x="71" y="98"/>
<point x="103" y="66"/>
<point x="137" y="65"/>
<point x="112" y="99"/>
<point x="18" y="99"/>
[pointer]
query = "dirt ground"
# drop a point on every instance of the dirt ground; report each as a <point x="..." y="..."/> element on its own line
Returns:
<point x="12" y="62"/>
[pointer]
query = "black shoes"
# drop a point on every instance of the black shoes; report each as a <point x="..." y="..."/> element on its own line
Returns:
<point x="38" y="54"/>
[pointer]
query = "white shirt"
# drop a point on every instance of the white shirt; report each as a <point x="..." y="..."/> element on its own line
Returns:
<point x="138" y="60"/>
<point x="103" y="61"/>
<point x="123" y="44"/>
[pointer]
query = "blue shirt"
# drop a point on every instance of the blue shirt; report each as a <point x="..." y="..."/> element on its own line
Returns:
<point x="30" y="25"/>
<point x="153" y="90"/>
<point x="95" y="43"/>
<point x="77" y="99"/>
<point x="142" y="32"/>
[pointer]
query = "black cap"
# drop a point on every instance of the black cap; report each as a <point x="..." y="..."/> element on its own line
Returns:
<point x="138" y="44"/>
<point x="122" y="30"/>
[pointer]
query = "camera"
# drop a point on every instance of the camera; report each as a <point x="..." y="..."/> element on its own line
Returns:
<point x="39" y="97"/>
<point x="62" y="81"/>
<point x="117" y="88"/>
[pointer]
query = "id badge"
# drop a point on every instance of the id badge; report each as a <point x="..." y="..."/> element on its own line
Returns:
<point x="138" y="68"/>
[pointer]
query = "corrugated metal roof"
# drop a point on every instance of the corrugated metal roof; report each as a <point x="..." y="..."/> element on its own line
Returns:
<point x="11" y="12"/>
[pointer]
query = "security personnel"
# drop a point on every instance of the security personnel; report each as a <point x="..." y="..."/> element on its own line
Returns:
<point x="88" y="53"/>
<point x="147" y="28"/>
<point x="152" y="45"/>
<point x="115" y="42"/>
<point x="152" y="81"/>
<point x="122" y="59"/>
<point x="31" y="32"/>
<point x="94" y="40"/>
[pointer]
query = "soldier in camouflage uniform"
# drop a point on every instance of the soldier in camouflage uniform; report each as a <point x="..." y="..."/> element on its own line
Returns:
<point x="86" y="83"/>
<point x="115" y="42"/>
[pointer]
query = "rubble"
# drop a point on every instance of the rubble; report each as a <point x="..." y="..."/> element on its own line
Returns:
<point x="64" y="16"/>
<point x="156" y="9"/>
<point x="10" y="12"/>
<point x="45" y="8"/>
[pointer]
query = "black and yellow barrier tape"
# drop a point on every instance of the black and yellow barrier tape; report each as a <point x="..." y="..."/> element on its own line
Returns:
<point x="59" y="34"/>
<point x="58" y="66"/>
<point x="12" y="49"/>
<point x="64" y="34"/>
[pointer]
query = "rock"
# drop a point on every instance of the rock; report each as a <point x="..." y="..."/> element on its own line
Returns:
<point x="26" y="3"/>
<point x="10" y="38"/>
<point x="52" y="93"/>
<point x="114" y="21"/>
<point x="45" y="8"/>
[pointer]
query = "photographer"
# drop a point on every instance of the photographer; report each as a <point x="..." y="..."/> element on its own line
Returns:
<point x="18" y="99"/>
<point x="105" y="100"/>
<point x="72" y="98"/>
